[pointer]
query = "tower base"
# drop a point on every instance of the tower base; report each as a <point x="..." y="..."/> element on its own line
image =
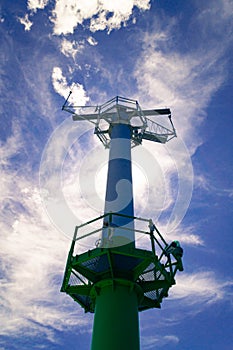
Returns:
<point x="116" y="323"/>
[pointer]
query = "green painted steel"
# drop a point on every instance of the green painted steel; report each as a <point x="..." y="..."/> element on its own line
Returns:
<point x="116" y="325"/>
<point x="152" y="271"/>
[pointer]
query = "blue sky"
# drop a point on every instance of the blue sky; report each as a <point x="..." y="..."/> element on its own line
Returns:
<point x="175" y="54"/>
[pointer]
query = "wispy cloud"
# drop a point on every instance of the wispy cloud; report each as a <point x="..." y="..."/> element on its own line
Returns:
<point x="32" y="261"/>
<point x="204" y="182"/>
<point x="33" y="256"/>
<point x="152" y="342"/>
<point x="201" y="288"/>
<point x="182" y="81"/>
<point x="185" y="80"/>
<point x="193" y="293"/>
<point x="12" y="146"/>
<point x="71" y="48"/>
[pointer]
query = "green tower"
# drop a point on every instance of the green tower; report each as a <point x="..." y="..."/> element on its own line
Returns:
<point x="127" y="266"/>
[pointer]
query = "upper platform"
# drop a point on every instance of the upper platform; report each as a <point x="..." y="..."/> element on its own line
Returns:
<point x="125" y="111"/>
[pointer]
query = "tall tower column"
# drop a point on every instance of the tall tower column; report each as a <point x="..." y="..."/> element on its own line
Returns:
<point x="116" y="300"/>
<point x="119" y="191"/>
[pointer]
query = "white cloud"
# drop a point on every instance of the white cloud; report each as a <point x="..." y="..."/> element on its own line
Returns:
<point x="26" y="22"/>
<point x="185" y="235"/>
<point x="200" y="288"/>
<point x="215" y="16"/>
<point x="32" y="263"/>
<point x="33" y="257"/>
<point x="12" y="145"/>
<point x="183" y="82"/>
<point x="187" y="79"/>
<point x="59" y="177"/>
<point x="78" y="96"/>
<point x="92" y="41"/>
<point x="71" y="48"/>
<point x="203" y="182"/>
<point x="67" y="15"/>
<point x="33" y="5"/>
<point x="155" y="341"/>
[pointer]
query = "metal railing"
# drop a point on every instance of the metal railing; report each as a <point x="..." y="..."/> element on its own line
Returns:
<point x="89" y="235"/>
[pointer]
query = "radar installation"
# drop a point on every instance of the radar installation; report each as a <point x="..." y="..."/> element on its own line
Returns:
<point x="115" y="277"/>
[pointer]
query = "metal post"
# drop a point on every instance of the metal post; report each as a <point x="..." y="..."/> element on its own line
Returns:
<point x="116" y="325"/>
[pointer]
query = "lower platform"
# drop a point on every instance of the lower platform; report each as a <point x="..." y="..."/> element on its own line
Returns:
<point x="151" y="275"/>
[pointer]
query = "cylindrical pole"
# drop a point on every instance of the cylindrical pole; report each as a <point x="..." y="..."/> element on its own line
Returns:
<point x="116" y="301"/>
<point x="119" y="192"/>
<point x="116" y="325"/>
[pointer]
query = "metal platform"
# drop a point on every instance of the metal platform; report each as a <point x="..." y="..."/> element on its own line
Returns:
<point x="143" y="128"/>
<point x="150" y="271"/>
